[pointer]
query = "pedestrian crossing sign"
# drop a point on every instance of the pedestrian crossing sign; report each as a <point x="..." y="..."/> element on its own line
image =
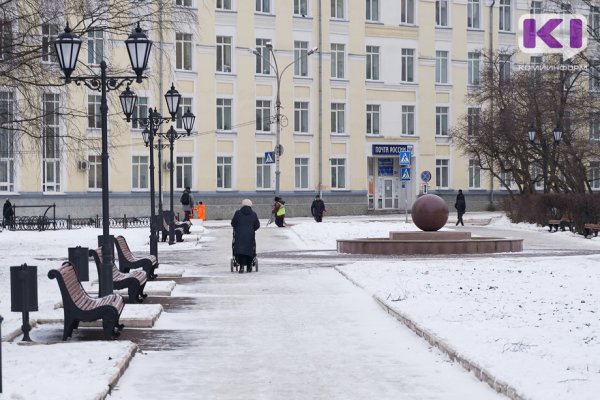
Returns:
<point x="269" y="157"/>
<point x="405" y="158"/>
<point x="405" y="174"/>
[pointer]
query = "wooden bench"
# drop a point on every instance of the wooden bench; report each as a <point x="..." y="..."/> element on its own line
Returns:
<point x="589" y="229"/>
<point x="165" y="232"/>
<point x="78" y="306"/>
<point x="562" y="223"/>
<point x="127" y="261"/>
<point x="134" y="281"/>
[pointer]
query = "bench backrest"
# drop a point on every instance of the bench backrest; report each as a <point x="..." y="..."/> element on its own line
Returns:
<point x="97" y="255"/>
<point x="70" y="288"/>
<point x="123" y="249"/>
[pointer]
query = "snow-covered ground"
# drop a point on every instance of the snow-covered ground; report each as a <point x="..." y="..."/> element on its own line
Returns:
<point x="531" y="318"/>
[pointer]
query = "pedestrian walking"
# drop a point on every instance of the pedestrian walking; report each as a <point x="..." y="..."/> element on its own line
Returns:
<point x="245" y="223"/>
<point x="187" y="202"/>
<point x="461" y="207"/>
<point x="317" y="208"/>
<point x="8" y="213"/>
<point x="280" y="213"/>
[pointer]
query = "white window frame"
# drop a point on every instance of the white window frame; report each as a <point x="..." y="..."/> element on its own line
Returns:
<point x="373" y="119"/>
<point x="594" y="77"/>
<point x="594" y="21"/>
<point x="94" y="114"/>
<point x="263" y="58"/>
<point x="225" y="170"/>
<point x="407" y="12"/>
<point x="338" y="60"/>
<point x="264" y="174"/>
<point x="224" y="54"/>
<point x="184" y="3"/>
<point x="301" y="117"/>
<point x="95" y="43"/>
<point x="338" y="173"/>
<point x="185" y="104"/>
<point x="474" y="68"/>
<point x="373" y="10"/>
<point x="49" y="34"/>
<point x="594" y="175"/>
<point x="139" y="111"/>
<point x="442" y="120"/>
<point x="373" y="62"/>
<point x="184" y="171"/>
<point x="504" y="67"/>
<point x="441" y="66"/>
<point x="263" y="7"/>
<point x="263" y="116"/>
<point x="338" y="118"/>
<point x="536" y="7"/>
<point x="408" y="120"/>
<point x="474" y="174"/>
<point x="595" y="126"/>
<point x="95" y="172"/>
<point x="408" y="65"/>
<point x="6" y="39"/>
<point x="51" y="144"/>
<point x="505" y="16"/>
<point x="442" y="173"/>
<point x="7" y="141"/>
<point x="301" y="57"/>
<point x="224" y="5"/>
<point x="301" y="8"/>
<point x="140" y="172"/>
<point x="442" y="13"/>
<point x="338" y="9"/>
<point x="183" y="51"/>
<point x="224" y="107"/>
<point x="473" y="120"/>
<point x="301" y="173"/>
<point x="474" y="14"/>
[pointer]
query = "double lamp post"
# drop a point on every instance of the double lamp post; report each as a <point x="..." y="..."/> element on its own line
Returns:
<point x="557" y="133"/>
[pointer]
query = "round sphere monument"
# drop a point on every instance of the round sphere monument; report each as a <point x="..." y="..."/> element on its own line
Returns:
<point x="429" y="212"/>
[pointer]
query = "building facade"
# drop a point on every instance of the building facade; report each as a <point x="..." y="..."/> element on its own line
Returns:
<point x="389" y="80"/>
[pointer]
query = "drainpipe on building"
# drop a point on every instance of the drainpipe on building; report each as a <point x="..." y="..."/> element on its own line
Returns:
<point x="491" y="55"/>
<point x="320" y="99"/>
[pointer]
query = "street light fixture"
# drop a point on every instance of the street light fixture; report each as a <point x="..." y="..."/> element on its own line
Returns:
<point x="152" y="124"/>
<point x="67" y="46"/>
<point x="278" y="116"/>
<point x="557" y="133"/>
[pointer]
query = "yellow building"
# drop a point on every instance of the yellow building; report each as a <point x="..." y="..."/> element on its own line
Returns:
<point x="389" y="77"/>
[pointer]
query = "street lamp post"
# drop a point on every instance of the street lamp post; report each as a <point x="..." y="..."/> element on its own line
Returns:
<point x="152" y="124"/>
<point x="278" y="116"/>
<point x="545" y="150"/>
<point x="67" y="47"/>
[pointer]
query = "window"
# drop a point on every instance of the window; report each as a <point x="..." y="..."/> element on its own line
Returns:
<point x="263" y="6"/>
<point x="594" y="175"/>
<point x="7" y="155"/>
<point x="223" y="5"/>
<point x="338" y="118"/>
<point x="139" y="172"/>
<point x="95" y="172"/>
<point x="372" y="10"/>
<point x="301" y="7"/>
<point x="441" y="12"/>
<point x="224" y="170"/>
<point x="301" y="55"/>
<point x="337" y="60"/>
<point x="338" y="173"/>
<point x="263" y="61"/>
<point x="474" y="68"/>
<point x="224" y="114"/>
<point x="408" y="65"/>
<point x="595" y="126"/>
<point x="184" y="105"/>
<point x="408" y="120"/>
<point x="473" y="120"/>
<point x="594" y="21"/>
<point x="301" y="116"/>
<point x="94" y="115"/>
<point x="95" y="46"/>
<point x="263" y="174"/>
<point x="51" y="143"/>
<point x="441" y="67"/>
<point x="506" y="179"/>
<point x="139" y="111"/>
<point x="301" y="173"/>
<point x="504" y="15"/>
<point x="594" y="78"/>
<point x="183" y="51"/>
<point x="337" y="9"/>
<point x="407" y="11"/>
<point x="441" y="121"/>
<point x="373" y="119"/>
<point x="223" y="54"/>
<point x="441" y="173"/>
<point x="184" y="3"/>
<point x="263" y="116"/>
<point x="183" y="172"/>
<point x="536" y="60"/>
<point x="504" y="68"/>
<point x="373" y="63"/>
<point x="474" y="14"/>
<point x="49" y="35"/>
<point x="474" y="174"/>
<point x="536" y="7"/>
<point x="5" y="39"/>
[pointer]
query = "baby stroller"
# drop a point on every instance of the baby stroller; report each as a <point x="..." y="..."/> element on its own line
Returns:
<point x="235" y="265"/>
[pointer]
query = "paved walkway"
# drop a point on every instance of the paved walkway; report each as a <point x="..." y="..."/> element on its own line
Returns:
<point x="295" y="330"/>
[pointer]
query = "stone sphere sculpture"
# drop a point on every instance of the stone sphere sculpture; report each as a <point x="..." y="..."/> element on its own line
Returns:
<point x="429" y="212"/>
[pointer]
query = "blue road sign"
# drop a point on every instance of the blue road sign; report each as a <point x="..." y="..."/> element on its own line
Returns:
<point x="405" y="158"/>
<point x="425" y="176"/>
<point x="269" y="157"/>
<point x="405" y="174"/>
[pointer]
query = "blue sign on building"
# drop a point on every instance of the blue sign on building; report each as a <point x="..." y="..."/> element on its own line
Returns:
<point x="269" y="157"/>
<point x="405" y="174"/>
<point x="405" y="158"/>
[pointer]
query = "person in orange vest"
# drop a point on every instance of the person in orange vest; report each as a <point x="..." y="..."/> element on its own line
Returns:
<point x="201" y="211"/>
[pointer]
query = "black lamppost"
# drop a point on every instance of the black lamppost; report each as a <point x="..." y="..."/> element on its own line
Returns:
<point x="545" y="149"/>
<point x="278" y="116"/>
<point x="152" y="124"/>
<point x="67" y="47"/>
<point x="172" y="135"/>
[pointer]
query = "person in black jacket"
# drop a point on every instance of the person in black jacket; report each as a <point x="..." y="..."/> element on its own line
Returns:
<point x="245" y="223"/>
<point x="8" y="214"/>
<point x="461" y="207"/>
<point x="317" y="208"/>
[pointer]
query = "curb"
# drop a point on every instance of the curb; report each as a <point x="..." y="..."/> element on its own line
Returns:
<point x="471" y="366"/>
<point x="122" y="366"/>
